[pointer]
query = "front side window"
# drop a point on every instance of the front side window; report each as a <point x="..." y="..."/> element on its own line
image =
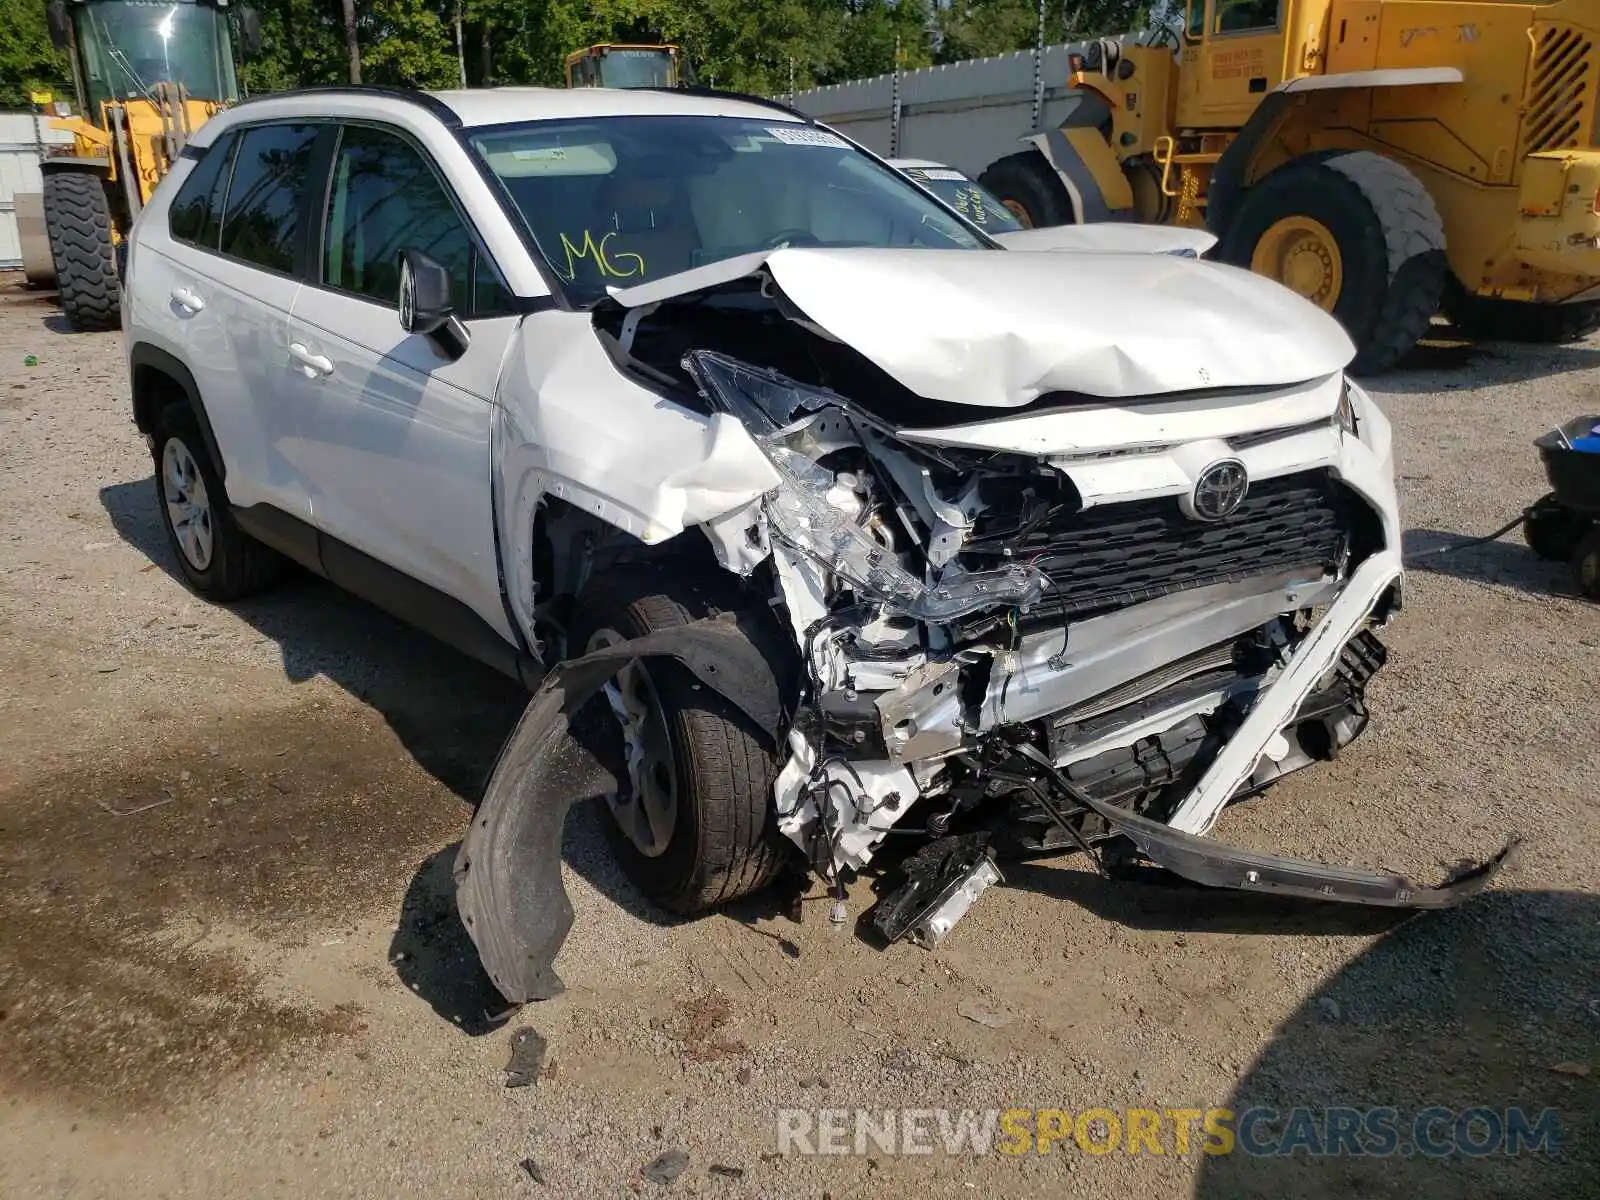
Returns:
<point x="1237" y="16"/>
<point x="1195" y="26"/>
<point x="197" y="208"/>
<point x="612" y="202"/>
<point x="261" y="220"/>
<point x="385" y="198"/>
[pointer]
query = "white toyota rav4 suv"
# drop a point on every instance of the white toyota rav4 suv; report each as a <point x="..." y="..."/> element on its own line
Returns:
<point x="811" y="513"/>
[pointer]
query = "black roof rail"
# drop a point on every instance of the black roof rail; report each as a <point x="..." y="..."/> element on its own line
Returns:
<point x="426" y="100"/>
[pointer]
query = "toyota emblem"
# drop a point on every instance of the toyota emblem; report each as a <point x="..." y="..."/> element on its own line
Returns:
<point x="1220" y="490"/>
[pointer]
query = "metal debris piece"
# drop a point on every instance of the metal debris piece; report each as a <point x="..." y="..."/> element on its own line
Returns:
<point x="133" y="812"/>
<point x="725" y="1172"/>
<point x="532" y="1169"/>
<point x="527" y="1056"/>
<point x="665" y="1167"/>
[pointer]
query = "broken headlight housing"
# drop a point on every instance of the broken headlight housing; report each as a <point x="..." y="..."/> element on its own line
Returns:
<point x="801" y="517"/>
<point x="1345" y="414"/>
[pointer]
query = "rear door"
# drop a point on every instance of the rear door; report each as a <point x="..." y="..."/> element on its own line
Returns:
<point x="392" y="433"/>
<point x="219" y="289"/>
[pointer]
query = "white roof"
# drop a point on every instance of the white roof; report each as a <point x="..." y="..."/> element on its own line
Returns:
<point x="494" y="106"/>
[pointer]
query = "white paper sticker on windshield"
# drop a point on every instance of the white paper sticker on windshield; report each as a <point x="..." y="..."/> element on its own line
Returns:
<point x="804" y="135"/>
<point x="941" y="173"/>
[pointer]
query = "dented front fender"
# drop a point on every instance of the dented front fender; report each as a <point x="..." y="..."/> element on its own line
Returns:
<point x="563" y="751"/>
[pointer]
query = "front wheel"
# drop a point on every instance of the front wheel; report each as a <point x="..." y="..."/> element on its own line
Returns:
<point x="1586" y="565"/>
<point x="1027" y="185"/>
<point x="694" y="825"/>
<point x="1356" y="234"/>
<point x="77" y="221"/>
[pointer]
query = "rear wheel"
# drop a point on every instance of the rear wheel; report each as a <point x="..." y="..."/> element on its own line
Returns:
<point x="1027" y="185"/>
<point x="1357" y="235"/>
<point x="77" y="219"/>
<point x="694" y="826"/>
<point x="1485" y="318"/>
<point x="219" y="559"/>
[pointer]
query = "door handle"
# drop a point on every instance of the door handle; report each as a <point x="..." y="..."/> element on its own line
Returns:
<point x="314" y="364"/>
<point x="185" y="297"/>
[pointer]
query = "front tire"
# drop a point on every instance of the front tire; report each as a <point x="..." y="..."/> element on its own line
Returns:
<point x="1586" y="565"/>
<point x="218" y="559"/>
<point x="1356" y="234"/>
<point x="77" y="220"/>
<point x="1027" y="185"/>
<point x="692" y="753"/>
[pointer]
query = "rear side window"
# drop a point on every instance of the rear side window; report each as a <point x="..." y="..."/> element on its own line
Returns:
<point x="270" y="170"/>
<point x="198" y="204"/>
<point x="385" y="197"/>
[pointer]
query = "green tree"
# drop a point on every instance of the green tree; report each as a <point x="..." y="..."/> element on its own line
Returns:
<point x="27" y="59"/>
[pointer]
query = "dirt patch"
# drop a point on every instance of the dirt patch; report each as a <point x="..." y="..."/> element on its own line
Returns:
<point x="108" y="994"/>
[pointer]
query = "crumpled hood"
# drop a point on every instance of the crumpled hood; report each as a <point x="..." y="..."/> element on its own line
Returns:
<point x="999" y="330"/>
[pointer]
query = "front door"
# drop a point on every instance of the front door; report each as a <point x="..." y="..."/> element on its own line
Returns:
<point x="1241" y="60"/>
<point x="393" y="434"/>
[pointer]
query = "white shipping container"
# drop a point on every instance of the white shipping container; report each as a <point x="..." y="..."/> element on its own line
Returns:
<point x="23" y="137"/>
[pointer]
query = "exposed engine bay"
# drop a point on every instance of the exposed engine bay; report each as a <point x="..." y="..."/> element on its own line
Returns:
<point x="1081" y="623"/>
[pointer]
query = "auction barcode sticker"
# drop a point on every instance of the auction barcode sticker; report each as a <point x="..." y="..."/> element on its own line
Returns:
<point x="802" y="135"/>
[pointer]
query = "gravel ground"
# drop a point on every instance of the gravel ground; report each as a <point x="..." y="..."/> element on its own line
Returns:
<point x="229" y="963"/>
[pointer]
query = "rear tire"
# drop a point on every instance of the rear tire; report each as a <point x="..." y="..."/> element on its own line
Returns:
<point x="1027" y="185"/>
<point x="77" y="220"/>
<point x="1486" y="318"/>
<point x="724" y="842"/>
<point x="1388" y="237"/>
<point x="218" y="559"/>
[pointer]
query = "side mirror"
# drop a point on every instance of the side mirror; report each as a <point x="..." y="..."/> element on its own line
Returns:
<point x="424" y="303"/>
<point x="249" y="32"/>
<point x="60" y="23"/>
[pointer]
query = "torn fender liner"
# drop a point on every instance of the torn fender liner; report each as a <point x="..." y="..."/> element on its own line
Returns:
<point x="1204" y="861"/>
<point x="563" y="751"/>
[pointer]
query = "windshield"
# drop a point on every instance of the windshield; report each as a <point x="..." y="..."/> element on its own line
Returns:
<point x="130" y="45"/>
<point x="982" y="208"/>
<point x="636" y="68"/>
<point x="618" y="201"/>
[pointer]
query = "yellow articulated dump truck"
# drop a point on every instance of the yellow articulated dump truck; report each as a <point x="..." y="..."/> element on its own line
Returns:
<point x="1384" y="158"/>
<point x="626" y="66"/>
<point x="146" y="76"/>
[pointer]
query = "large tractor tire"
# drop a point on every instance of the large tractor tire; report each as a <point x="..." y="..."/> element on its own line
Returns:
<point x="1483" y="318"/>
<point x="1356" y="234"/>
<point x="1027" y="185"/>
<point x="77" y="219"/>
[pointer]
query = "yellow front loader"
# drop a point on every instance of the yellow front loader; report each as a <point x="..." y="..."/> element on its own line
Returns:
<point x="1384" y="158"/>
<point x="147" y="74"/>
<point x="626" y="66"/>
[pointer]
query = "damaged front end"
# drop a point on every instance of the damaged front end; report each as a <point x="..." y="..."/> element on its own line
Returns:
<point x="1083" y="624"/>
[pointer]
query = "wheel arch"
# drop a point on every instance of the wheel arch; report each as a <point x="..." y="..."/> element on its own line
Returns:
<point x="157" y="377"/>
<point x="1237" y="169"/>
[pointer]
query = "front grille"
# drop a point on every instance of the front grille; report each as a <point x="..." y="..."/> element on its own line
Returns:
<point x="1558" y="89"/>
<point x="1114" y="555"/>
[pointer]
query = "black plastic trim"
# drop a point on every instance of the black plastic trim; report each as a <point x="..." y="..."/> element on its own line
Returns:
<point x="142" y="354"/>
<point x="414" y="602"/>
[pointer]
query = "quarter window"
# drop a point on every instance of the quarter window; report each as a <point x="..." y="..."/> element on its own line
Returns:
<point x="198" y="204"/>
<point x="263" y="207"/>
<point x="386" y="198"/>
